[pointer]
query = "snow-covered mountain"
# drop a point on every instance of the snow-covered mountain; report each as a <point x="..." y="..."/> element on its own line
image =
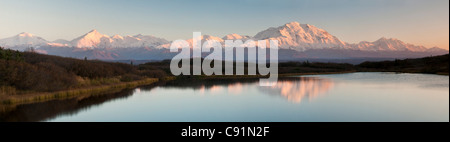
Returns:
<point x="59" y="43"/>
<point x="295" y="41"/>
<point x="202" y="38"/>
<point x="23" y="39"/>
<point x="385" y="44"/>
<point x="147" y="40"/>
<point x="303" y="37"/>
<point x="300" y="37"/>
<point x="94" y="39"/>
<point x="236" y="37"/>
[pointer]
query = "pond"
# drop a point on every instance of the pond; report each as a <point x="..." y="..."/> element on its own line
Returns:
<point x="352" y="97"/>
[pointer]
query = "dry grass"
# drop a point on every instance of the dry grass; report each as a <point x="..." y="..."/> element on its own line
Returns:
<point x="89" y="91"/>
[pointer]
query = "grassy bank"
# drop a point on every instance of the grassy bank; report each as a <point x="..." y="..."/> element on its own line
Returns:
<point x="84" y="92"/>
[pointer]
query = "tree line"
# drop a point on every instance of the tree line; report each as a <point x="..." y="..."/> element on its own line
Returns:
<point x="29" y="71"/>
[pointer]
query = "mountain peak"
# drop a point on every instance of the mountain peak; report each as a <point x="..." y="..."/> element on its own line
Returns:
<point x="93" y="31"/>
<point x="300" y="37"/>
<point x="388" y="44"/>
<point x="94" y="39"/>
<point x="207" y="37"/>
<point x="436" y="49"/>
<point x="235" y="37"/>
<point x="93" y="34"/>
<point x="384" y="39"/>
<point x="91" y="39"/>
<point x="25" y="34"/>
<point x="117" y="37"/>
<point x="23" y="39"/>
<point x="297" y="25"/>
<point x="138" y="35"/>
<point x="294" y="23"/>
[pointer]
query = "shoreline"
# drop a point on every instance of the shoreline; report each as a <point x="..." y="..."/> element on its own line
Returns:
<point x="258" y="76"/>
<point x="292" y="74"/>
<point x="67" y="94"/>
<point x="114" y="88"/>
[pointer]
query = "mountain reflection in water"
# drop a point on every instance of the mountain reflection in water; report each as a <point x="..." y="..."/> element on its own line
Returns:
<point x="293" y="89"/>
<point x="302" y="88"/>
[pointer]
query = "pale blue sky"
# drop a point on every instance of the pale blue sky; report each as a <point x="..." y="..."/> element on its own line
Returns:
<point x="423" y="22"/>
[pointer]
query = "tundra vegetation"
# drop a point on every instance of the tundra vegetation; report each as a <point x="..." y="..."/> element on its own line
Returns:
<point x="24" y="73"/>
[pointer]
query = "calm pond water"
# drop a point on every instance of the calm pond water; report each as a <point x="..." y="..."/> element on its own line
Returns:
<point x="317" y="98"/>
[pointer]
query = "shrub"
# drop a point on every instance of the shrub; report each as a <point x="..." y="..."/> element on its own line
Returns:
<point x="154" y="74"/>
<point x="7" y="90"/>
<point x="130" y="77"/>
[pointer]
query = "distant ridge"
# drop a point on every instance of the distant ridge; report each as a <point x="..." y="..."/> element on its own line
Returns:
<point x="301" y="40"/>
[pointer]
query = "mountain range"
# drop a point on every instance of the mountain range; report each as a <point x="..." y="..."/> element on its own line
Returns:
<point x="296" y="41"/>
